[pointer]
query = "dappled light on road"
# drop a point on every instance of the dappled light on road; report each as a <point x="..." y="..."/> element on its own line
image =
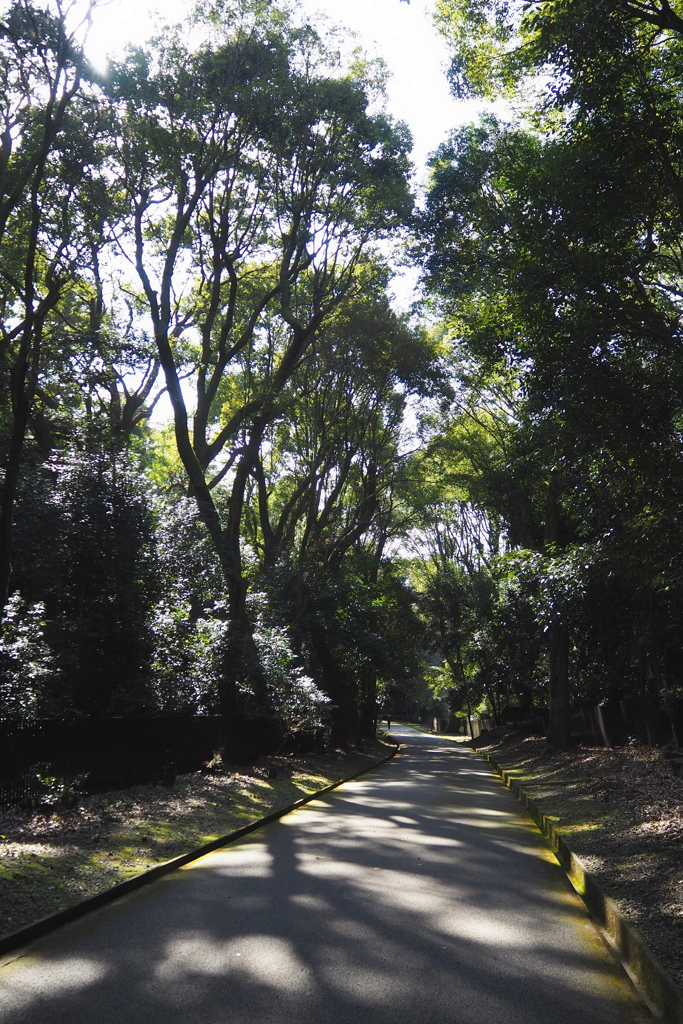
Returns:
<point x="405" y="895"/>
<point x="67" y="975"/>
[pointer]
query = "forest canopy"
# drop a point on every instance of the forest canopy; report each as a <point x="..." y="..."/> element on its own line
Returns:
<point x="553" y="254"/>
<point x="469" y="509"/>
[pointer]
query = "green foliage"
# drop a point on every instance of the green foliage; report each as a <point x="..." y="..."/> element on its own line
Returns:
<point x="87" y="562"/>
<point x="56" y="791"/>
<point x="29" y="677"/>
<point x="293" y="697"/>
<point x="187" y="619"/>
<point x="185" y="664"/>
<point x="248" y="176"/>
<point x="480" y="32"/>
<point x="552" y="250"/>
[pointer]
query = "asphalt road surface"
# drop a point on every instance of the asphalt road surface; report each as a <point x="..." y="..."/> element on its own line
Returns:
<point x="420" y="894"/>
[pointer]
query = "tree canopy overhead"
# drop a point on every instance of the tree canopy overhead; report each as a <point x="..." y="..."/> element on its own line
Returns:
<point x="552" y="242"/>
<point x="472" y="508"/>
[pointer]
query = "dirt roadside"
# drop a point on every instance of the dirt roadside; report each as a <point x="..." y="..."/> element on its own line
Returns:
<point x="621" y="811"/>
<point x="55" y="857"/>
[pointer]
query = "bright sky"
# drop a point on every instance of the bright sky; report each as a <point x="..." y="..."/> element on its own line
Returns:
<point x="402" y="33"/>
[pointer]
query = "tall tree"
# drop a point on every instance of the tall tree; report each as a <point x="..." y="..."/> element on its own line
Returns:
<point x="256" y="181"/>
<point x="324" y="492"/>
<point x="559" y="245"/>
<point x="53" y="207"/>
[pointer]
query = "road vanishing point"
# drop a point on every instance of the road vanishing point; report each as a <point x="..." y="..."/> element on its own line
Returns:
<point x="418" y="894"/>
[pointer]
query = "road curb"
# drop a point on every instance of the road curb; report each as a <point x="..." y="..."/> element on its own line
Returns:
<point x="17" y="940"/>
<point x="658" y="987"/>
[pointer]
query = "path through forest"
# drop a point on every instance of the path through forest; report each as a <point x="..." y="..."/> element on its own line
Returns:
<point x="419" y="893"/>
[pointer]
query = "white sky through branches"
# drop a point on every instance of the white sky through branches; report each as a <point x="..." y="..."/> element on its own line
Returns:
<point x="401" y="33"/>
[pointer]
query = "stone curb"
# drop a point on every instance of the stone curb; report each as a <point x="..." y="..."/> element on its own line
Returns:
<point x="15" y="941"/>
<point x="644" y="970"/>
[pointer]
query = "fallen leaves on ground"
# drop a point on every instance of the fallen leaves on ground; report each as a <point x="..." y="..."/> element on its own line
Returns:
<point x="53" y="858"/>
<point x="621" y="810"/>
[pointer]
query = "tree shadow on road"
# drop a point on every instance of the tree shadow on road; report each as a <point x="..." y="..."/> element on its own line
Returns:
<point x="417" y="894"/>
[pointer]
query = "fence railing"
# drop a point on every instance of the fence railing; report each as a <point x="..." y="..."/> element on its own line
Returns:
<point x="46" y="759"/>
<point x="635" y="719"/>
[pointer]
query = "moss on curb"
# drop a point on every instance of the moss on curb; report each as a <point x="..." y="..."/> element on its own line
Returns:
<point x="659" y="989"/>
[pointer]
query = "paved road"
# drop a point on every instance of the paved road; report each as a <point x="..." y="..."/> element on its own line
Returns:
<point x="419" y="894"/>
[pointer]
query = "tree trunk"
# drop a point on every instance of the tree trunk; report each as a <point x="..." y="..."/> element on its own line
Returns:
<point x="559" y="734"/>
<point x="9" y="493"/>
<point x="336" y="686"/>
<point x="23" y="378"/>
<point x="368" y="713"/>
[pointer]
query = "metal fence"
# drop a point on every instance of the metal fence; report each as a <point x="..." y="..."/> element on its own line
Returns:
<point x="635" y="720"/>
<point x="48" y="759"/>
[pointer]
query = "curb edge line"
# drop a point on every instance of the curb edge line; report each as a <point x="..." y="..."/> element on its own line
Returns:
<point x="16" y="941"/>
<point x="656" y="985"/>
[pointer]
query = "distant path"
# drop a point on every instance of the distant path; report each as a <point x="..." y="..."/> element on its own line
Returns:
<point x="417" y="895"/>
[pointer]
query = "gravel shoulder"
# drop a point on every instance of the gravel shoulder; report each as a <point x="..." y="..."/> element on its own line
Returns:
<point x="621" y="811"/>
<point x="53" y="858"/>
